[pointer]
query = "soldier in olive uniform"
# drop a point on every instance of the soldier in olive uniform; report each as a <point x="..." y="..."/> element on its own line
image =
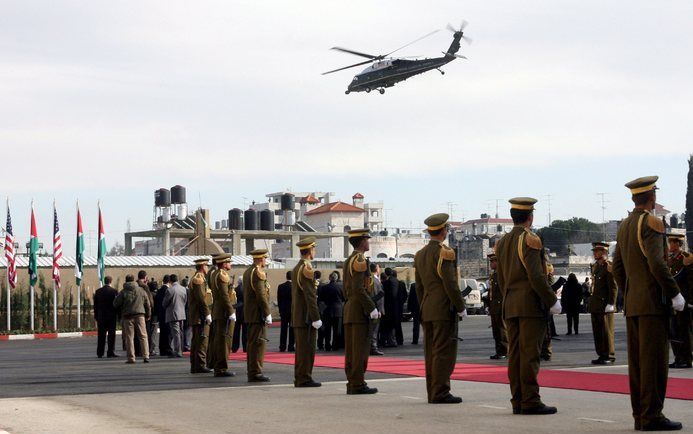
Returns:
<point x="211" y="280"/>
<point x="441" y="307"/>
<point x="223" y="316"/>
<point x="257" y="313"/>
<point x="495" y="310"/>
<point x="527" y="297"/>
<point x="601" y="305"/>
<point x="681" y="267"/>
<point x="650" y="292"/>
<point x="199" y="317"/>
<point x="305" y="316"/>
<point x="359" y="309"/>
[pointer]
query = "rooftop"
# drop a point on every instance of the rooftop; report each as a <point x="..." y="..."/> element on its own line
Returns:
<point x="335" y="207"/>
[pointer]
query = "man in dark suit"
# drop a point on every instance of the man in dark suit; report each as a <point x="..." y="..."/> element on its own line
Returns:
<point x="284" y="302"/>
<point x="240" y="332"/>
<point x="164" y="345"/>
<point x="333" y="299"/>
<point x="387" y="324"/>
<point x="105" y="316"/>
<point x="414" y="308"/>
<point x="401" y="299"/>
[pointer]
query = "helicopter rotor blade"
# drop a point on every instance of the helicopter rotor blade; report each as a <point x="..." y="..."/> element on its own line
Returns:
<point x="347" y="67"/>
<point x="356" y="53"/>
<point x="452" y="29"/>
<point x="464" y="24"/>
<point x="467" y="39"/>
<point x="415" y="40"/>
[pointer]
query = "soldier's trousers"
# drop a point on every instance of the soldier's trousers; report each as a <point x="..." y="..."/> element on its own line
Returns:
<point x="306" y="341"/>
<point x="357" y="344"/>
<point x="648" y="366"/>
<point x="256" y="348"/>
<point x="525" y="337"/>
<point x="219" y="346"/>
<point x="500" y="335"/>
<point x="681" y="344"/>
<point x="198" y="347"/>
<point x="440" y="352"/>
<point x="603" y="332"/>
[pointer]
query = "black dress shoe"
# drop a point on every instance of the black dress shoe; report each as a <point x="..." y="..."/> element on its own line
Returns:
<point x="201" y="371"/>
<point x="376" y="352"/>
<point x="636" y="426"/>
<point x="517" y="410"/>
<point x="365" y="390"/>
<point x="680" y="365"/>
<point x="450" y="399"/>
<point x="112" y="356"/>
<point x="224" y="374"/>
<point x="309" y="384"/>
<point x="129" y="362"/>
<point x="542" y="409"/>
<point x="599" y="361"/>
<point x="498" y="357"/>
<point x="259" y="379"/>
<point x="546" y="358"/>
<point x="662" y="425"/>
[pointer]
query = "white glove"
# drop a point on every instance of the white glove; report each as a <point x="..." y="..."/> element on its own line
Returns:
<point x="375" y="314"/>
<point x="556" y="308"/>
<point x="232" y="317"/>
<point x="208" y="319"/>
<point x="609" y="308"/>
<point x="268" y="319"/>
<point x="462" y="314"/>
<point x="678" y="302"/>
<point x="690" y="306"/>
<point x="317" y="324"/>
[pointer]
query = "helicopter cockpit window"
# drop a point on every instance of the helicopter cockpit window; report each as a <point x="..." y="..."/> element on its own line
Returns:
<point x="355" y="79"/>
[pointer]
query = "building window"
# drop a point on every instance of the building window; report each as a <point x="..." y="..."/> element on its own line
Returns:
<point x="382" y="256"/>
<point x="499" y="228"/>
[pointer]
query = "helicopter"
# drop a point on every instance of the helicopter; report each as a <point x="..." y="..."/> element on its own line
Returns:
<point x="385" y="71"/>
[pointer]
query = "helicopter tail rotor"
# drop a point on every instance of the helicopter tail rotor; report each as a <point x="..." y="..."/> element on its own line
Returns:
<point x="463" y="25"/>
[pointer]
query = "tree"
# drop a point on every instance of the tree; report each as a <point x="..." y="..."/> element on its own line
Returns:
<point x="117" y="250"/>
<point x="558" y="237"/>
<point x="689" y="204"/>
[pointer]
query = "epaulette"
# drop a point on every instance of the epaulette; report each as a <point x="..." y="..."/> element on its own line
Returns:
<point x="532" y="240"/>
<point x="655" y="224"/>
<point x="308" y="271"/>
<point x="198" y="279"/>
<point x="687" y="259"/>
<point x="261" y="274"/>
<point x="446" y="253"/>
<point x="224" y="276"/>
<point x="359" y="264"/>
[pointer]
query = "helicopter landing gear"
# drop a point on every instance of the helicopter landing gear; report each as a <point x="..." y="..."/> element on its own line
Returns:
<point x="441" y="71"/>
<point x="346" y="92"/>
<point x="381" y="90"/>
<point x="368" y="90"/>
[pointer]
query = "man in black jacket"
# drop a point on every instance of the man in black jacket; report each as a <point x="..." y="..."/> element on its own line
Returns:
<point x="333" y="299"/>
<point x="284" y="302"/>
<point x="105" y="316"/>
<point x="387" y="324"/>
<point x="240" y="332"/>
<point x="414" y="308"/>
<point x="401" y="299"/>
<point x="164" y="346"/>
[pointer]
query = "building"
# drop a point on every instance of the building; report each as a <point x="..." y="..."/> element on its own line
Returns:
<point x="334" y="217"/>
<point x="485" y="225"/>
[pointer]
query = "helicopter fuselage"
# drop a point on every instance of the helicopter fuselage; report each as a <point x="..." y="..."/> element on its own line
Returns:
<point x="387" y="72"/>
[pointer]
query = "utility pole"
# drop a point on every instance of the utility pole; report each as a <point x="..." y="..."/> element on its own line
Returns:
<point x="451" y="208"/>
<point x="497" y="200"/>
<point x="603" y="205"/>
<point x="548" y="200"/>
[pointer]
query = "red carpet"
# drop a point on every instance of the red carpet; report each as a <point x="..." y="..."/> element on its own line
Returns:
<point x="678" y="388"/>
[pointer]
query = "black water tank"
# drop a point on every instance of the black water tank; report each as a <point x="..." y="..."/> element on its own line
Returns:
<point x="177" y="194"/>
<point x="162" y="197"/>
<point x="288" y="202"/>
<point x="251" y="219"/>
<point x="235" y="219"/>
<point x="266" y="220"/>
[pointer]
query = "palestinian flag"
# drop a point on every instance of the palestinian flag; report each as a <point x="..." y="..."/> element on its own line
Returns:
<point x="79" y="249"/>
<point x="33" y="250"/>
<point x="100" y="264"/>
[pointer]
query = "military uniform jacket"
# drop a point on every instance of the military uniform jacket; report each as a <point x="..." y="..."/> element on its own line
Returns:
<point x="681" y="267"/>
<point x="222" y="307"/>
<point x="357" y="282"/>
<point x="304" y="297"/>
<point x="436" y="282"/>
<point x="521" y="275"/>
<point x="495" y="296"/>
<point x="603" y="287"/>
<point x="197" y="305"/>
<point x="640" y="267"/>
<point x="256" y="295"/>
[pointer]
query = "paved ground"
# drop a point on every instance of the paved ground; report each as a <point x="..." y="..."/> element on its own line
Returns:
<point x="72" y="391"/>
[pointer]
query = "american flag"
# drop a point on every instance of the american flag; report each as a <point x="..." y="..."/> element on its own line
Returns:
<point x="57" y="248"/>
<point x="9" y="252"/>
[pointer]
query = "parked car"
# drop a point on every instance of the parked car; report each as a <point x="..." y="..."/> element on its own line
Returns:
<point x="473" y="300"/>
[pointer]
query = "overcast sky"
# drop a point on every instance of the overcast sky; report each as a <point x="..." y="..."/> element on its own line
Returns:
<point x="111" y="100"/>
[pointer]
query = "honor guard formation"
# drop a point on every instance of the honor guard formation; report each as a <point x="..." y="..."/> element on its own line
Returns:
<point x="650" y="270"/>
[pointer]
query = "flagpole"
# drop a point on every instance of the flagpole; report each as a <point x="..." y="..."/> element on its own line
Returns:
<point x="79" y="317"/>
<point x="7" y="279"/>
<point x="55" y="290"/>
<point x="31" y="287"/>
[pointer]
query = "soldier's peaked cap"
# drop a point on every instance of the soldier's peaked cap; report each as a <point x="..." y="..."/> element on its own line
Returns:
<point x="673" y="236"/>
<point x="306" y="243"/>
<point x="436" y="221"/>
<point x="201" y="261"/>
<point x="365" y="232"/>
<point x="600" y="245"/>
<point x="492" y="256"/>
<point x="642" y="185"/>
<point x="222" y="257"/>
<point x="522" y="203"/>
<point x="259" y="253"/>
